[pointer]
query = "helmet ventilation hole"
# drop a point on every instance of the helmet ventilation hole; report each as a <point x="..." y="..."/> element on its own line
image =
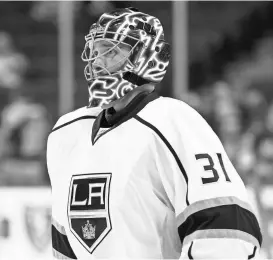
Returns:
<point x="151" y="64"/>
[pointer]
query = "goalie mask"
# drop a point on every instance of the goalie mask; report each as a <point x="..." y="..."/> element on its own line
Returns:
<point x="124" y="49"/>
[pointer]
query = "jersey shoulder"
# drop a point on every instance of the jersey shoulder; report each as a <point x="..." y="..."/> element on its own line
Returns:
<point x="67" y="132"/>
<point x="165" y="106"/>
<point x="63" y="132"/>
<point x="169" y="112"/>
<point x="179" y="123"/>
<point x="78" y="114"/>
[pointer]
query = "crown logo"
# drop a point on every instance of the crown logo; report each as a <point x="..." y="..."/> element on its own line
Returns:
<point x="88" y="231"/>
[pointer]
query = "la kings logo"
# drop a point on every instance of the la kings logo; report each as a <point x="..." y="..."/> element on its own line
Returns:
<point x="88" y="208"/>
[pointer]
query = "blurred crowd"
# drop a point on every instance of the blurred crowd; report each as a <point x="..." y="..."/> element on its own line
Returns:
<point x="24" y="123"/>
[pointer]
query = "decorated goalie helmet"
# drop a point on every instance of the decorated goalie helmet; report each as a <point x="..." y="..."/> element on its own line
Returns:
<point x="145" y="62"/>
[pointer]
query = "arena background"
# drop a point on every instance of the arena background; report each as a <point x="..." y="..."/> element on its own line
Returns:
<point x="222" y="65"/>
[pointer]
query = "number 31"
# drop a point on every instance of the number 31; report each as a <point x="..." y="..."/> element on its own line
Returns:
<point x="210" y="167"/>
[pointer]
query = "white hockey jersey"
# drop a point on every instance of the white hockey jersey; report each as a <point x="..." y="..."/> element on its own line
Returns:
<point x="156" y="185"/>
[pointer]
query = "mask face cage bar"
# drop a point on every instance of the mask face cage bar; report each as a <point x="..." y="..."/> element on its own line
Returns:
<point x="87" y="55"/>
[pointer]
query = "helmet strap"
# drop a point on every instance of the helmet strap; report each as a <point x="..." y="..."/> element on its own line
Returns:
<point x="134" y="79"/>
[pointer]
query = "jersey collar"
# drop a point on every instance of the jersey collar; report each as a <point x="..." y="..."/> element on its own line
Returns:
<point x="108" y="119"/>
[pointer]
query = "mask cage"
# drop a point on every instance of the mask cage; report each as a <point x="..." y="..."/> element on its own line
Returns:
<point x="90" y="71"/>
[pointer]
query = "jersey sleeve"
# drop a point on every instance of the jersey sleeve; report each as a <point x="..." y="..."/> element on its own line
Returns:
<point x="213" y="214"/>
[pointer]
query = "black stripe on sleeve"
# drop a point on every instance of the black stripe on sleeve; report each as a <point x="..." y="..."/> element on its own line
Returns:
<point x="162" y="137"/>
<point x="231" y="217"/>
<point x="61" y="244"/>
<point x="72" y="121"/>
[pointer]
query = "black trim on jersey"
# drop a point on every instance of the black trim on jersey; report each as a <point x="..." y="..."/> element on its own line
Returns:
<point x="136" y="105"/>
<point x="253" y="254"/>
<point x="61" y="244"/>
<point x="162" y="137"/>
<point x="221" y="217"/>
<point x="72" y="121"/>
<point x="189" y="252"/>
